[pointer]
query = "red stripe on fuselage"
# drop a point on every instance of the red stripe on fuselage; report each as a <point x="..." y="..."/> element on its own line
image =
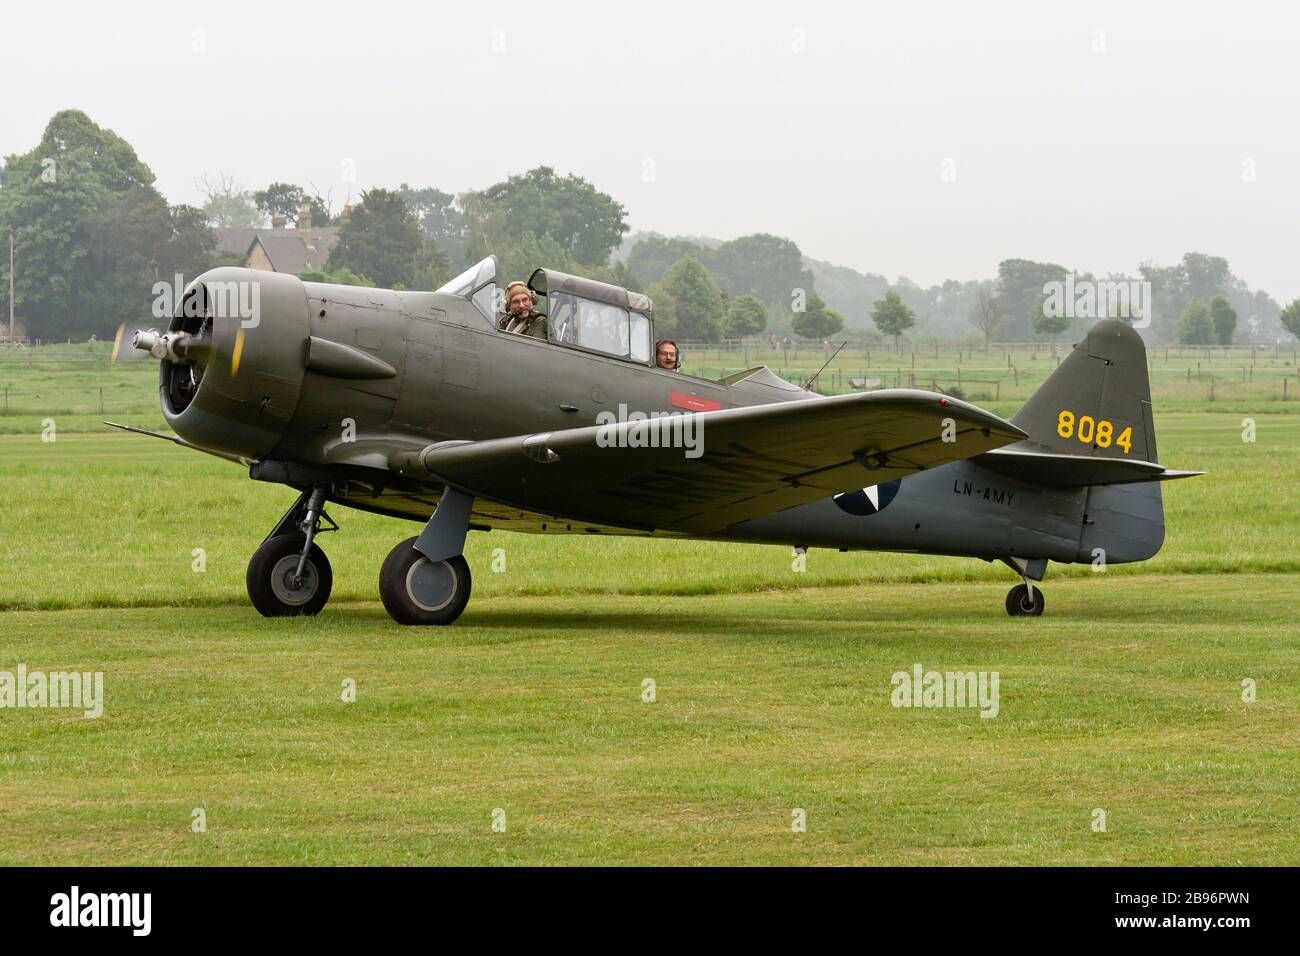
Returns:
<point x="694" y="403"/>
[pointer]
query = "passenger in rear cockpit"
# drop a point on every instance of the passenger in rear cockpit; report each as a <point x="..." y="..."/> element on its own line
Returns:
<point x="520" y="319"/>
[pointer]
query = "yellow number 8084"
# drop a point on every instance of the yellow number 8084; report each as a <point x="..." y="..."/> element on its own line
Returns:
<point x="1089" y="430"/>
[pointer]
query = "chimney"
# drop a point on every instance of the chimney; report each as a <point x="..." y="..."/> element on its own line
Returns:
<point x="278" y="221"/>
<point x="304" y="218"/>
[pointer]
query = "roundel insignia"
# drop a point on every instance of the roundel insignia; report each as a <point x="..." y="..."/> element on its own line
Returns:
<point x="869" y="500"/>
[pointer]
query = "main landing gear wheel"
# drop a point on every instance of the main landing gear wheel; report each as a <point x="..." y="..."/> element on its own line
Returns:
<point x="1020" y="603"/>
<point x="274" y="584"/>
<point x="416" y="590"/>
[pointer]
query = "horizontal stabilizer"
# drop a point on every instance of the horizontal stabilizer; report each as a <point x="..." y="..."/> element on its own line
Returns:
<point x="1053" y="470"/>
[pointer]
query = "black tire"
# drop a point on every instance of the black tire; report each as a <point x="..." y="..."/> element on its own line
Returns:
<point x="416" y="590"/>
<point x="270" y="572"/>
<point x="1019" y="604"/>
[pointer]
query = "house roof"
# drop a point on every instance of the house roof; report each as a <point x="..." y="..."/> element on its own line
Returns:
<point x="289" y="250"/>
<point x="235" y="242"/>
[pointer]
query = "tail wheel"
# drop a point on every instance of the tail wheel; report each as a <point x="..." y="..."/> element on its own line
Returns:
<point x="274" y="585"/>
<point x="416" y="590"/>
<point x="1020" y="603"/>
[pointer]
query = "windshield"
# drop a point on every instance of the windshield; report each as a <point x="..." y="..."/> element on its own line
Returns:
<point x="476" y="275"/>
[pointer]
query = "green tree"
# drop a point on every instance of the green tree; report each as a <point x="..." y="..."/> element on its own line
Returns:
<point x="528" y="252"/>
<point x="1048" y="325"/>
<point x="816" y="321"/>
<point x="1195" y="327"/>
<point x="585" y="222"/>
<point x="91" y="233"/>
<point x="1290" y="318"/>
<point x="1020" y="289"/>
<point x="745" y="316"/>
<point x="697" y="301"/>
<point x="1224" y="317"/>
<point x="892" y="316"/>
<point x="620" y="273"/>
<point x="665" y="310"/>
<point x="984" y="313"/>
<point x="846" y="290"/>
<point x="229" y="205"/>
<point x="653" y="255"/>
<point x="1206" y="275"/>
<point x="284" y="199"/>
<point x="765" y="266"/>
<point x="432" y="267"/>
<point x="442" y="221"/>
<point x="381" y="239"/>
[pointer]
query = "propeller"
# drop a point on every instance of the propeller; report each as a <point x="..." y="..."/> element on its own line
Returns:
<point x="123" y="349"/>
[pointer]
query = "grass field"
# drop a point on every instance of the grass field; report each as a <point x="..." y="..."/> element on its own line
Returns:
<point x="772" y="688"/>
<point x="1126" y="698"/>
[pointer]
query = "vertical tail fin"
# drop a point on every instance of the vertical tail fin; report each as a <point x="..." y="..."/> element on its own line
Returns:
<point x="1098" y="402"/>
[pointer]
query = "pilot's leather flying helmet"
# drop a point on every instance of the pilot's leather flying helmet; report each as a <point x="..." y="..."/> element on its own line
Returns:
<point x="515" y="288"/>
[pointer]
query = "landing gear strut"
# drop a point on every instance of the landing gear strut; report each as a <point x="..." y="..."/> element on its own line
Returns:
<point x="1026" y="600"/>
<point x="289" y="574"/>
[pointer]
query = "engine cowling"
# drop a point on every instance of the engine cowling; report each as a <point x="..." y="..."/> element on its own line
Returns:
<point x="237" y="370"/>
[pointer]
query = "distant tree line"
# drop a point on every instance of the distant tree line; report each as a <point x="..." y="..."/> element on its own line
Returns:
<point x="94" y="234"/>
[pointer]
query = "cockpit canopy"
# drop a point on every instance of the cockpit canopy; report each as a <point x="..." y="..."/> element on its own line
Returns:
<point x="580" y="313"/>
<point x="479" y="274"/>
<point x="477" y="283"/>
<point x="595" y="315"/>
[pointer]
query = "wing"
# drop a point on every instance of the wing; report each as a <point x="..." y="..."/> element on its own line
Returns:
<point x="737" y="463"/>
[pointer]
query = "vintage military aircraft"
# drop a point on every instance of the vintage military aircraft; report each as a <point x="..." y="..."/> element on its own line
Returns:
<point x="415" y="405"/>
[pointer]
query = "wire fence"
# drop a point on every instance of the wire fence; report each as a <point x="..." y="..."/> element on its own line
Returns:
<point x="82" y="379"/>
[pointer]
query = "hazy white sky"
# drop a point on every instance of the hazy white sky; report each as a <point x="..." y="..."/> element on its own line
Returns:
<point x="1097" y="135"/>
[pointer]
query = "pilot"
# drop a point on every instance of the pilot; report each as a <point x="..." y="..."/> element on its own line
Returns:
<point x="520" y="317"/>
<point x="667" y="356"/>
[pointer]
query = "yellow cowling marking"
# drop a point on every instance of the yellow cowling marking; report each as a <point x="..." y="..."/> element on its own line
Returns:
<point x="239" y="350"/>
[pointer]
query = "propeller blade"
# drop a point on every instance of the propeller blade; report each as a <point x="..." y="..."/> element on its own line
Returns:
<point x="123" y="351"/>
